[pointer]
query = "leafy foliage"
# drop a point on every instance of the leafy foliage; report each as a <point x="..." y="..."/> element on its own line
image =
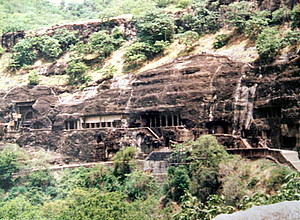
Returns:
<point x="292" y="37"/>
<point x="139" y="185"/>
<point x="192" y="208"/>
<point x="33" y="78"/>
<point x="221" y="40"/>
<point x="201" y="20"/>
<point x="10" y="163"/>
<point x="124" y="162"/>
<point x="77" y="72"/>
<point x="295" y="15"/>
<point x="268" y="44"/>
<point x="23" y="54"/>
<point x="281" y="15"/>
<point x="257" y="22"/>
<point x="188" y="38"/>
<point x="155" y="26"/>
<point x="179" y="183"/>
<point x="139" y="52"/>
<point x="238" y="13"/>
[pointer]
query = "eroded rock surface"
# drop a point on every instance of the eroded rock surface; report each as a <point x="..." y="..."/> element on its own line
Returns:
<point x="284" y="210"/>
<point x="193" y="95"/>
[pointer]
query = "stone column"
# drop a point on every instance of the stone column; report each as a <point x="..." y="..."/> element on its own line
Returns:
<point x="160" y="121"/>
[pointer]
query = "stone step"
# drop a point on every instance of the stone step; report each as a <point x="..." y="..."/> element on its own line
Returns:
<point x="292" y="157"/>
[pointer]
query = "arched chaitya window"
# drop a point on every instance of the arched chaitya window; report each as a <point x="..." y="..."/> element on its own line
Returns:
<point x="29" y="116"/>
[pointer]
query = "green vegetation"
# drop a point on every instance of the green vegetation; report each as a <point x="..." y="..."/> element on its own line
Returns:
<point x="77" y="72"/>
<point x="33" y="78"/>
<point x="221" y="40"/>
<point x="208" y="182"/>
<point x="155" y="29"/>
<point x="158" y="24"/>
<point x="268" y="44"/>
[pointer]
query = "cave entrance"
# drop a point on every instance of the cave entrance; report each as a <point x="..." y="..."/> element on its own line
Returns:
<point x="219" y="127"/>
<point x="288" y="142"/>
<point x="71" y="125"/>
<point x="29" y="116"/>
<point x="268" y="112"/>
<point x="157" y="119"/>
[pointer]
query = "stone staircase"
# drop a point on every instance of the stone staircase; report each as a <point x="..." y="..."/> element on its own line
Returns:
<point x="292" y="158"/>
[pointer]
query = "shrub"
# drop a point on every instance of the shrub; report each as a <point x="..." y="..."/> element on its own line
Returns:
<point x="221" y="40"/>
<point x="10" y="163"/>
<point x="103" y="43"/>
<point x="238" y="13"/>
<point x="65" y="38"/>
<point x="295" y="16"/>
<point x="139" y="185"/>
<point x="155" y="26"/>
<point x="29" y="49"/>
<point x="291" y="38"/>
<point x="23" y="54"/>
<point x="283" y="14"/>
<point x="124" y="162"/>
<point x="77" y="72"/>
<point x="188" y="38"/>
<point x="257" y="22"/>
<point x="139" y="52"/>
<point x="33" y="78"/>
<point x="201" y="20"/>
<point x="47" y="47"/>
<point x="178" y="184"/>
<point x="268" y="44"/>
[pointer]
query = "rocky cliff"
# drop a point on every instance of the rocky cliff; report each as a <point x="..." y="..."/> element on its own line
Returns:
<point x="190" y="96"/>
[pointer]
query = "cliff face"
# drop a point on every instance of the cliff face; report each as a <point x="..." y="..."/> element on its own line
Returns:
<point x="190" y="96"/>
<point x="83" y="30"/>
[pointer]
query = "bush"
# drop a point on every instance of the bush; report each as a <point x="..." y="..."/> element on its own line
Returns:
<point x="66" y="38"/>
<point x="47" y="47"/>
<point x="100" y="43"/>
<point x="33" y="78"/>
<point x="188" y="38"/>
<point x="139" y="52"/>
<point x="295" y="16"/>
<point x="178" y="184"/>
<point x="281" y="15"/>
<point x="124" y="162"/>
<point x="292" y="38"/>
<point x="23" y="54"/>
<point x="268" y="44"/>
<point x="201" y="20"/>
<point x="257" y="22"/>
<point x="77" y="72"/>
<point x="103" y="43"/>
<point x="10" y="163"/>
<point x="139" y="185"/>
<point x="238" y="13"/>
<point x="29" y="49"/>
<point x="155" y="26"/>
<point x="221" y="40"/>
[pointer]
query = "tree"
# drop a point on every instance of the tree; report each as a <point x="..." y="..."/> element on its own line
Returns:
<point x="124" y="162"/>
<point x="179" y="183"/>
<point x="257" y="22"/>
<point x="11" y="158"/>
<point x="155" y="25"/>
<point x="238" y="13"/>
<point x="139" y="185"/>
<point x="77" y="72"/>
<point x="268" y="44"/>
